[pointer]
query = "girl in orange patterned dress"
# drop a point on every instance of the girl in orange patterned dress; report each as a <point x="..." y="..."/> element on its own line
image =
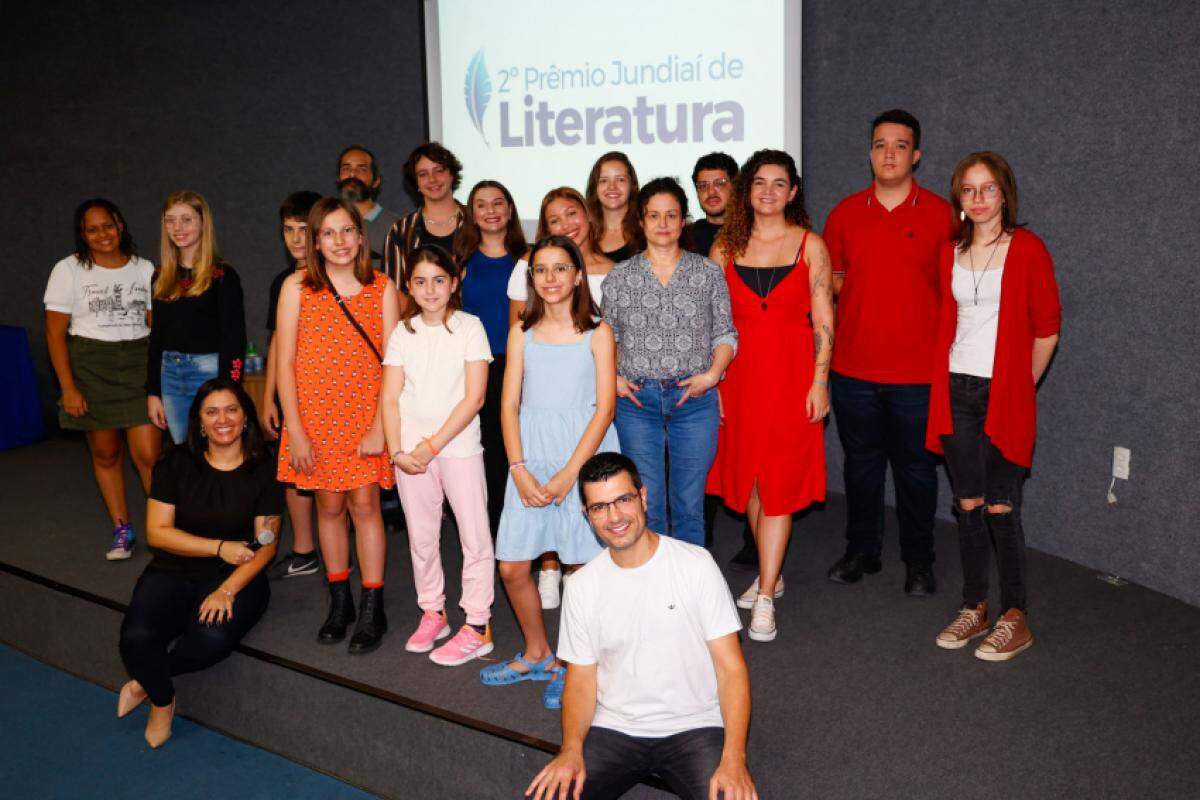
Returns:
<point x="332" y="322"/>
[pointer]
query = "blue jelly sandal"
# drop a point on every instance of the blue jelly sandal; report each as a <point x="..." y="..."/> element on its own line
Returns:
<point x="552" y="696"/>
<point x="502" y="674"/>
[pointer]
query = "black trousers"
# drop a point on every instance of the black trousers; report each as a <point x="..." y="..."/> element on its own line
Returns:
<point x="616" y="762"/>
<point x="165" y="608"/>
<point x="495" y="459"/>
<point x="978" y="469"/>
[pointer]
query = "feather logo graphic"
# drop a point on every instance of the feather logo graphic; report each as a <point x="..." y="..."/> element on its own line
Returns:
<point x="477" y="91"/>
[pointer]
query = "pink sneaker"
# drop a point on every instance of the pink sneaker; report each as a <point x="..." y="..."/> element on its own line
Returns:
<point x="433" y="627"/>
<point x="465" y="645"/>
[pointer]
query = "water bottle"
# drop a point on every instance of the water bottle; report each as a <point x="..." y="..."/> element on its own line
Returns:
<point x="254" y="362"/>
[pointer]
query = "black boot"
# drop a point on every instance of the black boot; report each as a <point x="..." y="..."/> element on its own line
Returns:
<point x="372" y="622"/>
<point x="341" y="613"/>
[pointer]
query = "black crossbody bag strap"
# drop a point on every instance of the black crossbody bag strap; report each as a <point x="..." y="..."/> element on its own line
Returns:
<point x="342" y="305"/>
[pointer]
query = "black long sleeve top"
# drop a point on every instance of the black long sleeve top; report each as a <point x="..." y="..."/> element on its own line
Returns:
<point x="213" y="322"/>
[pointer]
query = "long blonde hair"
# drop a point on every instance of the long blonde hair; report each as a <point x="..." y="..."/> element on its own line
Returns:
<point x="168" y="285"/>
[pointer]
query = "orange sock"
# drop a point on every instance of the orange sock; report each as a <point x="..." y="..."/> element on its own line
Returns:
<point x="372" y="584"/>
<point x="334" y="577"/>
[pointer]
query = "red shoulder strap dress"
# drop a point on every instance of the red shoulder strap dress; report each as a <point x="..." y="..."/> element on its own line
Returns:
<point x="765" y="437"/>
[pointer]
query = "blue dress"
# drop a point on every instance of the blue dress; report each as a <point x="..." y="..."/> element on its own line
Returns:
<point x="558" y="399"/>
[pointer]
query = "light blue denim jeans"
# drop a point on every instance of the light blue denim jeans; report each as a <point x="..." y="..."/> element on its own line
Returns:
<point x="182" y="375"/>
<point x="674" y="501"/>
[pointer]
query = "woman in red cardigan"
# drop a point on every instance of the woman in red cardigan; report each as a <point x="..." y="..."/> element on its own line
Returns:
<point x="998" y="328"/>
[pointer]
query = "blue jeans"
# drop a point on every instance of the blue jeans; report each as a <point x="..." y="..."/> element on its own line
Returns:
<point x="878" y="424"/>
<point x="182" y="376"/>
<point x="689" y="435"/>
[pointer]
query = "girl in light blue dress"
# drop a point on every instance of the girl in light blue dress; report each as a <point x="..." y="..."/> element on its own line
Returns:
<point x="556" y="410"/>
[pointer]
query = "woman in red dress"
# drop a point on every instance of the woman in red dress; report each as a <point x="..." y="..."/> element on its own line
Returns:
<point x="770" y="455"/>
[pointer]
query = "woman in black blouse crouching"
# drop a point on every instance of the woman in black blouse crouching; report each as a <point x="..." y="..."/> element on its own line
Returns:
<point x="212" y="503"/>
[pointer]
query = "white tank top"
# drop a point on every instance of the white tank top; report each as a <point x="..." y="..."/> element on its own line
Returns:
<point x="978" y="297"/>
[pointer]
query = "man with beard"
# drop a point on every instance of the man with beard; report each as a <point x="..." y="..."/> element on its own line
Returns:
<point x="713" y="178"/>
<point x="656" y="682"/>
<point x="358" y="181"/>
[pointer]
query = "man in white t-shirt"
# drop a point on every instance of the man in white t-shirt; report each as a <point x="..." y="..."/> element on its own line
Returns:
<point x="656" y="682"/>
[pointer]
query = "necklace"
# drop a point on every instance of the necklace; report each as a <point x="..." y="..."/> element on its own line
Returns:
<point x="758" y="283"/>
<point x="983" y="273"/>
<point x="431" y="221"/>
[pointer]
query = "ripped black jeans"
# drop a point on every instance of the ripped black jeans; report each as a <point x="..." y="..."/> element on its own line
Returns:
<point x="978" y="469"/>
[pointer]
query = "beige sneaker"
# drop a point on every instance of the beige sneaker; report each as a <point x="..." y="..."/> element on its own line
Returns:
<point x="1008" y="639"/>
<point x="970" y="623"/>
<point x="746" y="600"/>
<point x="762" y="619"/>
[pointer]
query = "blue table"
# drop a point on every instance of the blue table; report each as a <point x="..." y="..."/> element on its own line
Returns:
<point x="21" y="420"/>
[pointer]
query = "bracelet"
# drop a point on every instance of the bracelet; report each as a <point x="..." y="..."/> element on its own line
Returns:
<point x="514" y="465"/>
<point x="817" y="382"/>
<point x="219" y="546"/>
<point x="225" y="591"/>
<point x="429" y="441"/>
<point x="396" y="454"/>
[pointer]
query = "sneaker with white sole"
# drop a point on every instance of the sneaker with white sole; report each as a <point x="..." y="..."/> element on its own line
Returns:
<point x="122" y="543"/>
<point x="762" y="619"/>
<point x="466" y="645"/>
<point x="1008" y="639"/>
<point x="432" y="627"/>
<point x="747" y="597"/>
<point x="549" y="588"/>
<point x="972" y="621"/>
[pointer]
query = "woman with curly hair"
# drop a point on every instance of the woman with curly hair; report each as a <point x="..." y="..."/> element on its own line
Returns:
<point x="770" y="459"/>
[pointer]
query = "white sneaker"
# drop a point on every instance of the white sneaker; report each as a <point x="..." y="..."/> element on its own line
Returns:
<point x="762" y="620"/>
<point x="549" y="582"/>
<point x="747" y="598"/>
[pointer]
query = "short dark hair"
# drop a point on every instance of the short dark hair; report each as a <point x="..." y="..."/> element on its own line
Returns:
<point x="899" y="116"/>
<point x="438" y="154"/>
<point x="661" y="186"/>
<point x="603" y="466"/>
<point x="375" y="171"/>
<point x="721" y="161"/>
<point x="253" y="448"/>
<point x="125" y="241"/>
<point x="297" y="205"/>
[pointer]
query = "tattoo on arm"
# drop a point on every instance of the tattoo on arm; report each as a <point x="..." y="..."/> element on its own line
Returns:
<point x="273" y="524"/>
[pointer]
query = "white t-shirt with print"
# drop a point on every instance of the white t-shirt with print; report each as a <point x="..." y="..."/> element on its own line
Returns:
<point x="519" y="290"/>
<point x="105" y="304"/>
<point x="647" y="629"/>
<point x="434" y="359"/>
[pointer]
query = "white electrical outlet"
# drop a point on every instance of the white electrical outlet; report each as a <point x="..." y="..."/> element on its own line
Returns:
<point x="1121" y="463"/>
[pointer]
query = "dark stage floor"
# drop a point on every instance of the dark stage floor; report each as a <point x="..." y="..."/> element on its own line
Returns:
<point x="852" y="700"/>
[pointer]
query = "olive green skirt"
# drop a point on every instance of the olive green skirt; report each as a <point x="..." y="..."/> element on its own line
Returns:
<point x="112" y="378"/>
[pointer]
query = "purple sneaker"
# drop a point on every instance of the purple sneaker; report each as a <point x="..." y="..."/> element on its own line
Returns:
<point x="122" y="543"/>
<point x="432" y="627"/>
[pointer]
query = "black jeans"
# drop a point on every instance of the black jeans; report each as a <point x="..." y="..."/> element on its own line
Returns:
<point x="165" y="607"/>
<point x="495" y="459"/>
<point x="616" y="762"/>
<point x="979" y="470"/>
<point x="878" y="424"/>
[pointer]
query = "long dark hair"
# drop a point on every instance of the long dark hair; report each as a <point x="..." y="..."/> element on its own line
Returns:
<point x="630" y="225"/>
<point x="734" y="236"/>
<point x="253" y="448"/>
<point x="469" y="237"/>
<point x="125" y="243"/>
<point x="1002" y="172"/>
<point x="583" y="309"/>
<point x="436" y="255"/>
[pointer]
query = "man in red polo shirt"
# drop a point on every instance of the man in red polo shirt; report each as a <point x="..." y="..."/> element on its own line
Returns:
<point x="884" y="242"/>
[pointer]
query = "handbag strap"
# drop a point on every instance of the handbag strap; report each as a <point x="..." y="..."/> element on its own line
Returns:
<point x="366" y="338"/>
